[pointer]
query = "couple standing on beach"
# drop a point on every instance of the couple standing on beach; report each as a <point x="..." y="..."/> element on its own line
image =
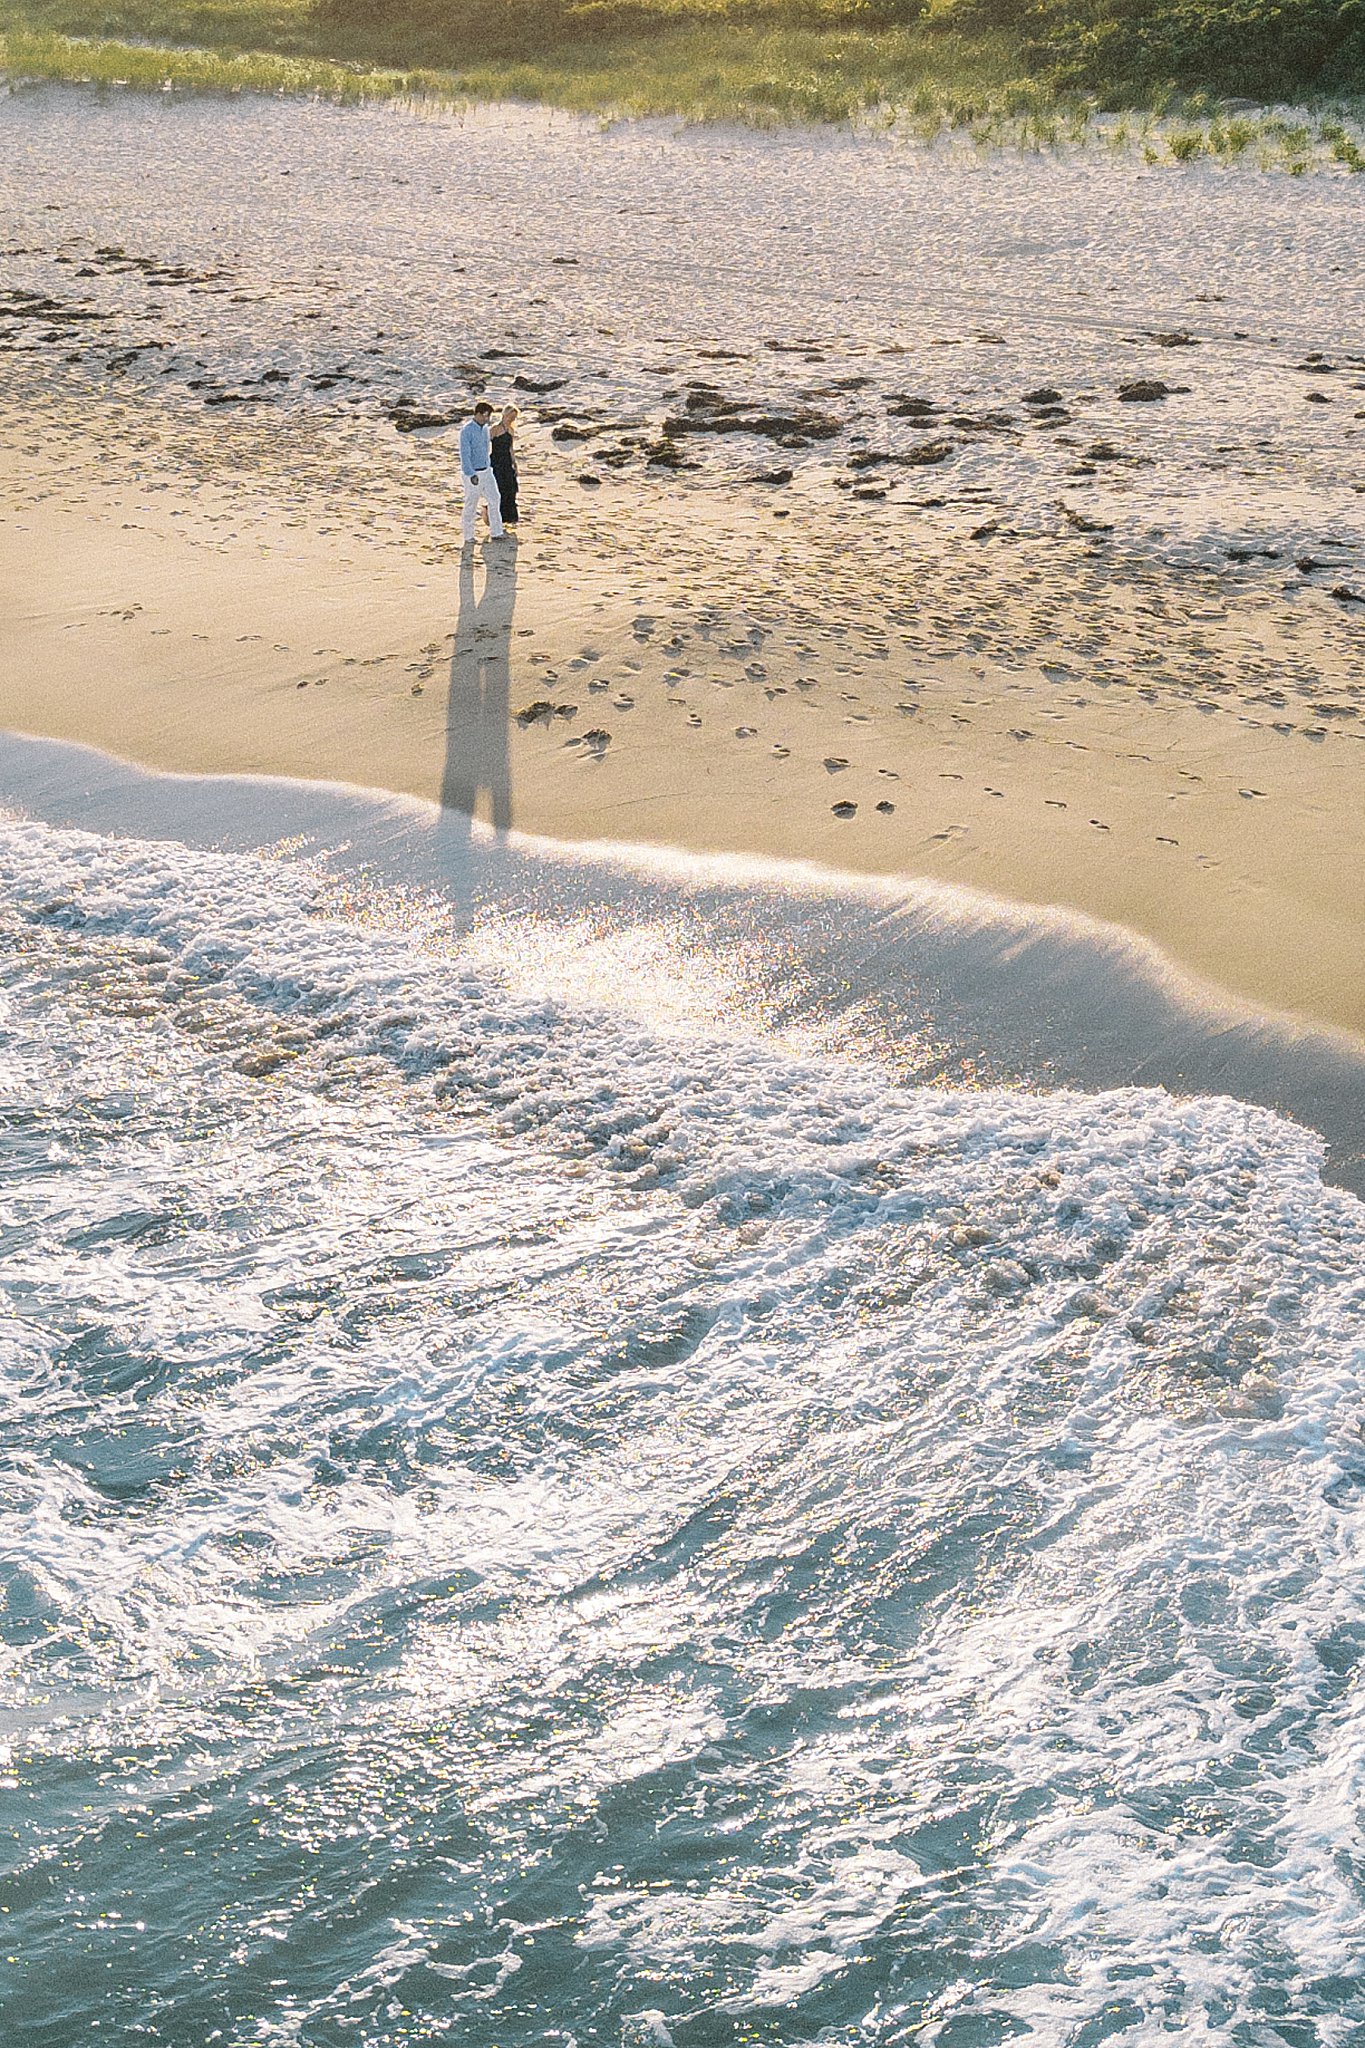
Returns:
<point x="489" y="467"/>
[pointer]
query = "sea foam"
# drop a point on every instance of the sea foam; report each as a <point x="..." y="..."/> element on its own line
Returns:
<point x="543" y="1502"/>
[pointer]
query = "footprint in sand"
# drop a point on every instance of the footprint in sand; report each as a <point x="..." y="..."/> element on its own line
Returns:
<point x="1099" y="825"/>
<point x="833" y="763"/>
<point x="947" y="775"/>
<point x="844" y="810"/>
<point x="994" y="792"/>
<point x="1251" y="792"/>
<point x="1054" y="803"/>
<point x="693" y="719"/>
<point x="1161" y="840"/>
<point x="782" y="752"/>
<point x="885" y="808"/>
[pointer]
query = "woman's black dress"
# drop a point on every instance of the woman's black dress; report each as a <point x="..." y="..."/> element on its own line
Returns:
<point x="505" y="470"/>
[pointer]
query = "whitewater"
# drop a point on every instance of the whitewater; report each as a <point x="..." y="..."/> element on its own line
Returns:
<point x="573" y="1473"/>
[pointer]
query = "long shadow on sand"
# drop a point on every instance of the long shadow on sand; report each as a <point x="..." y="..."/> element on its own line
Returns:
<point x="478" y="761"/>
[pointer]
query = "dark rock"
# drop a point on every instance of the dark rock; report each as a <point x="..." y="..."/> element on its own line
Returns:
<point x="1044" y="395"/>
<point x="1344" y="594"/>
<point x="772" y="476"/>
<point x="1146" y="391"/>
<point x="844" y="810"/>
<point x="906" y="408"/>
<point x="20" y="305"/>
<point x="666" y="454"/>
<point x="538" y="385"/>
<point x="930" y="452"/>
<point x="1079" y="521"/>
<point x="409" y="419"/>
<point x="808" y="424"/>
<point x="705" y="398"/>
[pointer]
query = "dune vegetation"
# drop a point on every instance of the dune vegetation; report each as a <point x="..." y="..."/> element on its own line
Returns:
<point x="1036" y="72"/>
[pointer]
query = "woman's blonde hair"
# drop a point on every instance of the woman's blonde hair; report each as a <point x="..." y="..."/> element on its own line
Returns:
<point x="510" y="413"/>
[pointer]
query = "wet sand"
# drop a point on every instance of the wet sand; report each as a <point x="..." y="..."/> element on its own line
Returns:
<point x="997" y="677"/>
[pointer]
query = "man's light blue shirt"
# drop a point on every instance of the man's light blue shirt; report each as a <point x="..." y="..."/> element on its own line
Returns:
<point x="475" y="450"/>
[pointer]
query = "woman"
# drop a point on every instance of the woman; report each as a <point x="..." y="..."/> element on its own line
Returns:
<point x="505" y="463"/>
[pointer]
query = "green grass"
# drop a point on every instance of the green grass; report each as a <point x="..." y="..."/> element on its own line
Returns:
<point x="700" y="62"/>
<point x="758" y="75"/>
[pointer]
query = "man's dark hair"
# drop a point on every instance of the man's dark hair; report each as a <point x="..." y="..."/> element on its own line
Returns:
<point x="482" y="406"/>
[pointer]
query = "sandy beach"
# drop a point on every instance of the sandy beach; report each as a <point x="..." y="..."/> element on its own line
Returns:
<point x="681" y="1277"/>
<point x="883" y="571"/>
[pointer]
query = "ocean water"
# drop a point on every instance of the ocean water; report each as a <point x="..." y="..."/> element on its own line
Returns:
<point x="574" y="1473"/>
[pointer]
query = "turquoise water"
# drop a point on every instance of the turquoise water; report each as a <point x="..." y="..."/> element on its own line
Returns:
<point x="551" y="1497"/>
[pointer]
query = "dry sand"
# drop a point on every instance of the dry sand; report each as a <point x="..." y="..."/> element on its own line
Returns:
<point x="981" y="682"/>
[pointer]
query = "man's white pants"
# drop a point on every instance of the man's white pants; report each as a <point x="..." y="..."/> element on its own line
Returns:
<point x="483" y="486"/>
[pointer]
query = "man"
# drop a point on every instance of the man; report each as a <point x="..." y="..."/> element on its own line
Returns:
<point x="476" y="461"/>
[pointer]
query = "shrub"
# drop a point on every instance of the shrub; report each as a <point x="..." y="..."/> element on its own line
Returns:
<point x="1266" y="49"/>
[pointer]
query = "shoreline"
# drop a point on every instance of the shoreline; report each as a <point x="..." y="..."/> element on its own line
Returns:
<point x="936" y="986"/>
<point x="271" y="650"/>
